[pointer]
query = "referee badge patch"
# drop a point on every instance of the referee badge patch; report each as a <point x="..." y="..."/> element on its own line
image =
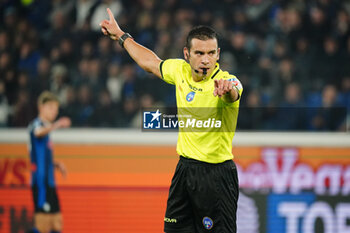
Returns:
<point x="236" y="83"/>
<point x="190" y="96"/>
<point x="207" y="223"/>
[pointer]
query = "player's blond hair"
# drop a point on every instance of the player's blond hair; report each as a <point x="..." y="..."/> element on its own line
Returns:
<point x="47" y="96"/>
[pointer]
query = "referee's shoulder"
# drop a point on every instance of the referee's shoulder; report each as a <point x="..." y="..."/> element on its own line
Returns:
<point x="175" y="60"/>
<point x="176" y="63"/>
<point x="226" y="75"/>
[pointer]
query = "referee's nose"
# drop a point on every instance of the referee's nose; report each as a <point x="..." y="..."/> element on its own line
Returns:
<point x="205" y="59"/>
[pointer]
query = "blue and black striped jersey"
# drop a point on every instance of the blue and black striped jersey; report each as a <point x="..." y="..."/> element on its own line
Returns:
<point x="40" y="149"/>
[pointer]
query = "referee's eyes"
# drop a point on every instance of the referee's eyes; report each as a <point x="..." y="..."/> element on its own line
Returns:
<point x="211" y="53"/>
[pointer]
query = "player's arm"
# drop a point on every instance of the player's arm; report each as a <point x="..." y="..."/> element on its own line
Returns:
<point x="144" y="57"/>
<point x="226" y="90"/>
<point x="63" y="122"/>
<point x="61" y="167"/>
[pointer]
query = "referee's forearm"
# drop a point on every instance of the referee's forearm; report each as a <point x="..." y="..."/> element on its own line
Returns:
<point x="143" y="56"/>
<point x="231" y="97"/>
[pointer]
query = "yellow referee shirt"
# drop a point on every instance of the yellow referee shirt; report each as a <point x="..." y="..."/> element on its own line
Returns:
<point x="209" y="123"/>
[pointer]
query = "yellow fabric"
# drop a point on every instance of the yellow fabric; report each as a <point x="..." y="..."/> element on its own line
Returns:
<point x="211" y="144"/>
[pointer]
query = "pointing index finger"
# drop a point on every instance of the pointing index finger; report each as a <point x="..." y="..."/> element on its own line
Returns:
<point x="221" y="83"/>
<point x="111" y="17"/>
<point x="216" y="83"/>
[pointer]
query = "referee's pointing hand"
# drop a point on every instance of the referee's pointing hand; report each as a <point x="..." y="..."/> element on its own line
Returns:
<point x="110" y="27"/>
<point x="222" y="87"/>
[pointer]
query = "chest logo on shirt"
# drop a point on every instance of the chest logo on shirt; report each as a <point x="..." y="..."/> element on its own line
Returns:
<point x="190" y="96"/>
<point x="194" y="88"/>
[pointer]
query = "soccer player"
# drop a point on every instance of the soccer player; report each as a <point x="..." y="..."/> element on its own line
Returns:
<point x="204" y="190"/>
<point x="47" y="217"/>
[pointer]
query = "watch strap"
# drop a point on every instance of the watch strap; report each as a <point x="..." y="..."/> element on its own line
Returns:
<point x="123" y="38"/>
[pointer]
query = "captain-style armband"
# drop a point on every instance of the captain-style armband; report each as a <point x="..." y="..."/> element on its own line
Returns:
<point x="123" y="38"/>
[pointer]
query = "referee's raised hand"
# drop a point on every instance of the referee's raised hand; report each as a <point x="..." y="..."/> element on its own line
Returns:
<point x="110" y="27"/>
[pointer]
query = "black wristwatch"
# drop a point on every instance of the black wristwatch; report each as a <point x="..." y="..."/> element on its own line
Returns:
<point x="123" y="38"/>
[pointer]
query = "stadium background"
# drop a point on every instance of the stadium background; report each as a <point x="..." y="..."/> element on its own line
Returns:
<point x="291" y="56"/>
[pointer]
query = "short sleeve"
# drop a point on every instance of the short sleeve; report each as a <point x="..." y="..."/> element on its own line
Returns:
<point x="170" y="69"/>
<point x="36" y="126"/>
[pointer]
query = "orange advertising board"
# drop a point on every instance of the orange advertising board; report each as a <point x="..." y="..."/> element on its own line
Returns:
<point x="123" y="188"/>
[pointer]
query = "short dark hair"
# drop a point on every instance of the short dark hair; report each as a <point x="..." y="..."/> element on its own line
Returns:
<point x="200" y="32"/>
<point x="47" y="96"/>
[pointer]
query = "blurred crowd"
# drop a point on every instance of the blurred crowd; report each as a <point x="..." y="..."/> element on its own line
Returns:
<point x="292" y="57"/>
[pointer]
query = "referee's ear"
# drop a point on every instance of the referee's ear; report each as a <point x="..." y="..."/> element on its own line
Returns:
<point x="186" y="53"/>
<point x="218" y="56"/>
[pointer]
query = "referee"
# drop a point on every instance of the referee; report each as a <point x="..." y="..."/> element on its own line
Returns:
<point x="204" y="190"/>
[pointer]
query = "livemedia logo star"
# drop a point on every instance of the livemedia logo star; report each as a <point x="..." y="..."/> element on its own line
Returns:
<point x="151" y="120"/>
